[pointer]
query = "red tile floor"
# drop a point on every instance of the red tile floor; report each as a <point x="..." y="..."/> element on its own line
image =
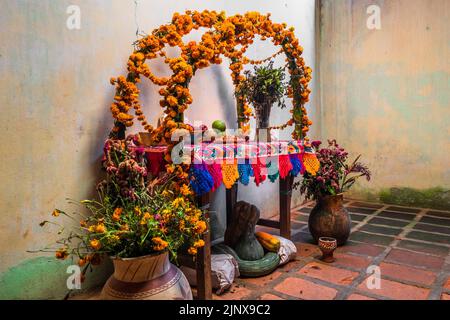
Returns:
<point x="411" y="247"/>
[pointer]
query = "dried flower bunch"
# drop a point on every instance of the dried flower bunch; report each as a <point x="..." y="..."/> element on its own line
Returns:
<point x="335" y="174"/>
<point x="133" y="215"/>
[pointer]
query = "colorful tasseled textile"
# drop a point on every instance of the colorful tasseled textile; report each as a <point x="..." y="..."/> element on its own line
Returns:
<point x="284" y="165"/>
<point x="245" y="172"/>
<point x="155" y="162"/>
<point x="200" y="179"/>
<point x="300" y="157"/>
<point x="230" y="174"/>
<point x="296" y="164"/>
<point x="311" y="163"/>
<point x="259" y="171"/>
<point x="271" y="166"/>
<point x="215" y="170"/>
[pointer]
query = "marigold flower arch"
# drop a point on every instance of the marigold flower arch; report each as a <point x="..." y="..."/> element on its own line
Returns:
<point x="223" y="38"/>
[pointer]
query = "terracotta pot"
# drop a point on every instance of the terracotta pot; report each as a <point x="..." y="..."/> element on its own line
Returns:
<point x="329" y="218"/>
<point x="150" y="277"/>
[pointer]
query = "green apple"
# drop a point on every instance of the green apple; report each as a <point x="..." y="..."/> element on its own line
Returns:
<point x="219" y="125"/>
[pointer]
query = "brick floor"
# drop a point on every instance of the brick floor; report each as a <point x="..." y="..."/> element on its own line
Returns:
<point x="447" y="284"/>
<point x="328" y="273"/>
<point x="396" y="290"/>
<point x="304" y="289"/>
<point x="269" y="296"/>
<point x="407" y="273"/>
<point x="409" y="246"/>
<point x="415" y="259"/>
<point x="355" y="296"/>
<point x="351" y="261"/>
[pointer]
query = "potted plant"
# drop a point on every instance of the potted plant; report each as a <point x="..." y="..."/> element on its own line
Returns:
<point x="138" y="223"/>
<point x="329" y="217"/>
<point x="262" y="88"/>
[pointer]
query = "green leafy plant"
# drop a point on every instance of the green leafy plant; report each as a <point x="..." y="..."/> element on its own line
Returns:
<point x="264" y="85"/>
<point x="262" y="88"/>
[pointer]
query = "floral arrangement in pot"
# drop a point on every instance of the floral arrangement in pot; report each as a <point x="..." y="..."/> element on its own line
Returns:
<point x="138" y="222"/>
<point x="329" y="217"/>
<point x="262" y="88"/>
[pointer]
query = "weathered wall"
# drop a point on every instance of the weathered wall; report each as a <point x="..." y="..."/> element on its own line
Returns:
<point x="385" y="93"/>
<point x="55" y="97"/>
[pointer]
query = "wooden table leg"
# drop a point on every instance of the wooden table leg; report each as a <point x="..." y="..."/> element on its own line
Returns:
<point x="231" y="199"/>
<point x="203" y="262"/>
<point x="285" y="206"/>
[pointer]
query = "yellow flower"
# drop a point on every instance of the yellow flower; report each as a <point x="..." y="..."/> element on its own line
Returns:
<point x="178" y="202"/>
<point x="138" y="211"/>
<point x="114" y="238"/>
<point x="95" y="244"/>
<point x="145" y="218"/>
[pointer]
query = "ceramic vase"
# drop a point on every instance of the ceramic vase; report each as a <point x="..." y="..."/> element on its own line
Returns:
<point x="329" y="218"/>
<point x="150" y="277"/>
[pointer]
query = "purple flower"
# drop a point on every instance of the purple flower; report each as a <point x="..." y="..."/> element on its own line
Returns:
<point x="316" y="144"/>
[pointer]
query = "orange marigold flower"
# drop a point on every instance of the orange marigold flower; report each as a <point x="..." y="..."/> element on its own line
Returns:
<point x="185" y="191"/>
<point x="95" y="244"/>
<point x="159" y="244"/>
<point x="172" y="101"/>
<point x="100" y="228"/>
<point x="192" y="251"/>
<point x="116" y="214"/>
<point x="61" y="254"/>
<point x="200" y="243"/>
<point x="200" y="227"/>
<point x="81" y="262"/>
<point x="56" y="213"/>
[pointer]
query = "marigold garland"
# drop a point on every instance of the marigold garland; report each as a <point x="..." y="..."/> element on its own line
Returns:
<point x="223" y="36"/>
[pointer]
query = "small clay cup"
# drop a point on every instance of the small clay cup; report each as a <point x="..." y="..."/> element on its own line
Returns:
<point x="327" y="245"/>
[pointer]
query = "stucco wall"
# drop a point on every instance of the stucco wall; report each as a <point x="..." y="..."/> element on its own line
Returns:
<point x="385" y="93"/>
<point x="55" y="97"/>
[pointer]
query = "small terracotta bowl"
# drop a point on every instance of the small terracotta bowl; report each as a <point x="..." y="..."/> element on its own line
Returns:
<point x="327" y="245"/>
